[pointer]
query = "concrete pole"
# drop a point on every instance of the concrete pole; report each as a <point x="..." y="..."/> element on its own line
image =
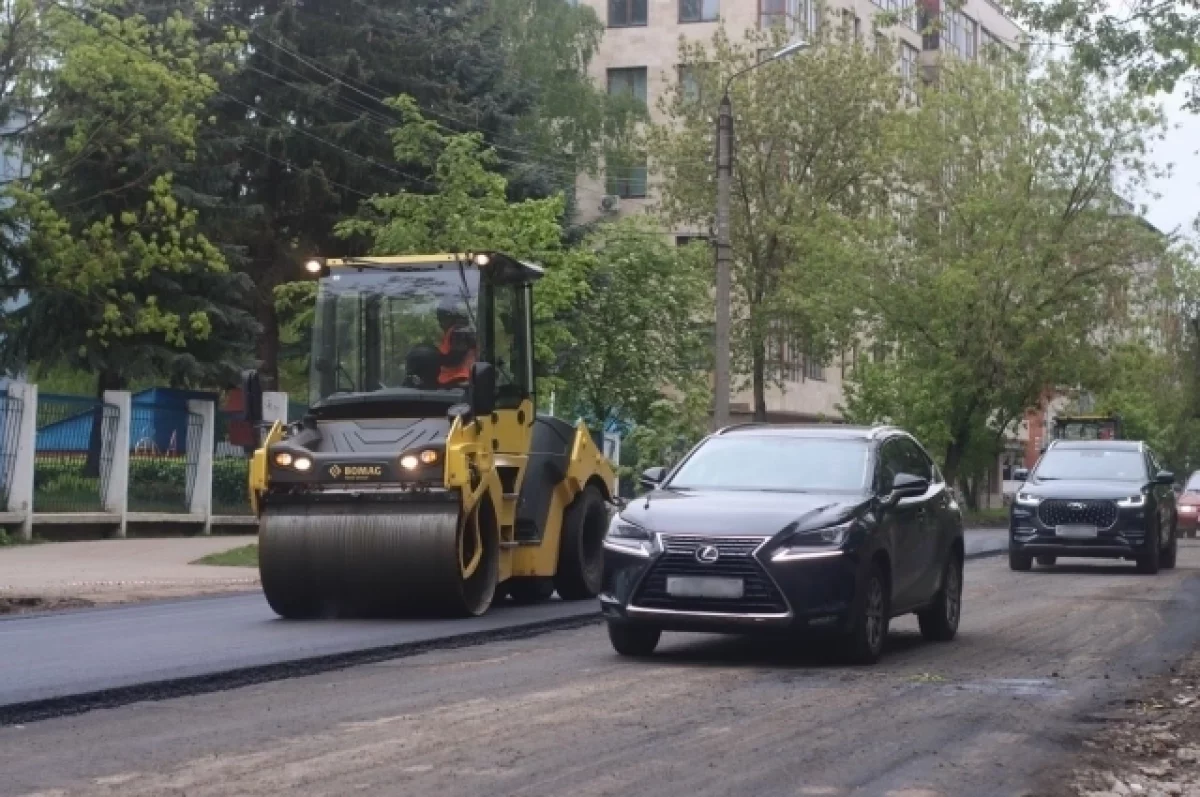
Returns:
<point x="724" y="263"/>
<point x="201" y="497"/>
<point x="20" y="485"/>
<point x="116" y="439"/>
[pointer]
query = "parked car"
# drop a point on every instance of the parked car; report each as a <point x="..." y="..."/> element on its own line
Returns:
<point x="788" y="529"/>
<point x="1188" y="505"/>
<point x="1108" y="499"/>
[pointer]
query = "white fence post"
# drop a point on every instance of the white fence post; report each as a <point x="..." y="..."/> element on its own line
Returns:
<point x="20" y="484"/>
<point x="116" y="501"/>
<point x="202" y="486"/>
<point x="275" y="407"/>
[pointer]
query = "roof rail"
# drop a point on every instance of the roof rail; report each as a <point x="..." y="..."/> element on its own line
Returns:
<point x="882" y="428"/>
<point x="732" y="427"/>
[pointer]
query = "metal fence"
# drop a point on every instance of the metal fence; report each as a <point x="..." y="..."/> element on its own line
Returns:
<point x="11" y="408"/>
<point x="73" y="453"/>
<point x="231" y="464"/>
<point x="164" y="446"/>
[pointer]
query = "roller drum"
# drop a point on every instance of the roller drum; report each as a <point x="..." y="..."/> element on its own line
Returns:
<point x="369" y="561"/>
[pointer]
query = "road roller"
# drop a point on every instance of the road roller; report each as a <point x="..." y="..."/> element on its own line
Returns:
<point x="422" y="481"/>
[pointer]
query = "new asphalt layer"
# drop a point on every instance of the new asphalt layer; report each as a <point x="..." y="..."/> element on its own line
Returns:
<point x="69" y="662"/>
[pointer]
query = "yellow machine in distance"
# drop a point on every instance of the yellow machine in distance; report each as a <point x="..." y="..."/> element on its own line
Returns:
<point x="422" y="481"/>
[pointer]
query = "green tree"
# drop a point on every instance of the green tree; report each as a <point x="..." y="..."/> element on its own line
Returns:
<point x="616" y="317"/>
<point x="997" y="274"/>
<point x="1151" y="42"/>
<point x="121" y="281"/>
<point x="636" y="328"/>
<point x="308" y="114"/>
<point x="808" y="135"/>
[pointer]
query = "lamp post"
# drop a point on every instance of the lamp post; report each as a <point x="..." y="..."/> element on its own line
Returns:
<point x="724" y="250"/>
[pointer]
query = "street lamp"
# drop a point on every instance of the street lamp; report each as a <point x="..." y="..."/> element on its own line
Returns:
<point x="724" y="250"/>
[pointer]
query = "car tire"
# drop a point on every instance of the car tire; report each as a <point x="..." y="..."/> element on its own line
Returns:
<point x="1047" y="561"/>
<point x="939" y="623"/>
<point x="1149" y="562"/>
<point x="1172" y="553"/>
<point x="864" y="643"/>
<point x="1019" y="561"/>
<point x="633" y="640"/>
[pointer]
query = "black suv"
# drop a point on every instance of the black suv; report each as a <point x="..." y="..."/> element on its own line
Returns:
<point x="787" y="528"/>
<point x="1107" y="499"/>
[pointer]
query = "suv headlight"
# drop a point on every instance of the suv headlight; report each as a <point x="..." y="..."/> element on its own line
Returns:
<point x="1028" y="499"/>
<point x="625" y="537"/>
<point x="815" y="544"/>
<point x="1132" y="502"/>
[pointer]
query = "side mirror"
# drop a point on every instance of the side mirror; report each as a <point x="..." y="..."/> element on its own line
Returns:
<point x="905" y="485"/>
<point x="252" y="395"/>
<point x="1164" y="477"/>
<point x="653" y="477"/>
<point x="1020" y="474"/>
<point x="482" y="389"/>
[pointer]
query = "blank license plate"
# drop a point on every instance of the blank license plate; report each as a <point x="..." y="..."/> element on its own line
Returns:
<point x="704" y="587"/>
<point x="1077" y="532"/>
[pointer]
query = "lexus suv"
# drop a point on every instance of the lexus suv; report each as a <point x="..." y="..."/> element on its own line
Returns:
<point x="786" y="529"/>
<point x="1104" y="498"/>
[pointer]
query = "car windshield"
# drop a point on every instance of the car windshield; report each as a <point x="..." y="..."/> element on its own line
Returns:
<point x="394" y="331"/>
<point x="1092" y="464"/>
<point x="748" y="462"/>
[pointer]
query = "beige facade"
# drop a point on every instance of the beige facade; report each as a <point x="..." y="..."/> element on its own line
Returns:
<point x="639" y="54"/>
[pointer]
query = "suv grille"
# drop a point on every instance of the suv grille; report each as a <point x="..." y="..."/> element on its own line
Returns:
<point x="1101" y="514"/>
<point x="760" y="595"/>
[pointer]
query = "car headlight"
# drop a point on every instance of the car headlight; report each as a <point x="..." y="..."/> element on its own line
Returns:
<point x="1132" y="502"/>
<point x="1028" y="499"/>
<point x="625" y="537"/>
<point x="815" y="544"/>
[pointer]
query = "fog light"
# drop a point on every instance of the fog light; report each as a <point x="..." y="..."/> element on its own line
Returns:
<point x="409" y="462"/>
<point x="429" y="456"/>
<point x="302" y="464"/>
<point x="283" y="459"/>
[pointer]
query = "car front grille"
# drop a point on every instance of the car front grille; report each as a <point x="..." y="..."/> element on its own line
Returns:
<point x="1101" y="514"/>
<point x="736" y="560"/>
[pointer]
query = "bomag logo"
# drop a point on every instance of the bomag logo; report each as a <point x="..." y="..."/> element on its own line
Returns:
<point x="356" y="472"/>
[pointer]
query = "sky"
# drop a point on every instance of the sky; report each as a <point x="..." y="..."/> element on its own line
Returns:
<point x="1179" y="201"/>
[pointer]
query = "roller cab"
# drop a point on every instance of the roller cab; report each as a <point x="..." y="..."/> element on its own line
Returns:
<point x="422" y="481"/>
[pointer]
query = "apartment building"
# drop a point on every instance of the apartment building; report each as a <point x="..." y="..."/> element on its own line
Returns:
<point x="639" y="55"/>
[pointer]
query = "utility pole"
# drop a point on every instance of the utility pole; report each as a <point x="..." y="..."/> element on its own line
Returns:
<point x="721" y="365"/>
<point x="724" y="263"/>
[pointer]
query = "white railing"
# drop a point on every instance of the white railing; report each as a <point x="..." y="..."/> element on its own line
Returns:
<point x="19" y="457"/>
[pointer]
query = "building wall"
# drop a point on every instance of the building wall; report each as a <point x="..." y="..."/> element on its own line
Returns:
<point x="654" y="46"/>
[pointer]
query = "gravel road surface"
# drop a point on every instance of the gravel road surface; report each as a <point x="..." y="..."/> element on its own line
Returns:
<point x="1038" y="655"/>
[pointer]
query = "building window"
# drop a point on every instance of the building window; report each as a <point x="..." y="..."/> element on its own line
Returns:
<point x="625" y="176"/>
<point x="625" y="13"/>
<point x="909" y="66"/>
<point x="699" y="10"/>
<point x="690" y="84"/>
<point x="959" y="33"/>
<point x="814" y="369"/>
<point x="629" y="81"/>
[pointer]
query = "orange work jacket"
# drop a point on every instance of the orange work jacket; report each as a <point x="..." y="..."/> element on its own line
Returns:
<point x="457" y="372"/>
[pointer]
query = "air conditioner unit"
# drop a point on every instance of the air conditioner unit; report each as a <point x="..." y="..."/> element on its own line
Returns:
<point x="610" y="203"/>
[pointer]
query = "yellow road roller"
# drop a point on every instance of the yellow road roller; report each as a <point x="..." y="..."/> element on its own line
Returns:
<point x="422" y="481"/>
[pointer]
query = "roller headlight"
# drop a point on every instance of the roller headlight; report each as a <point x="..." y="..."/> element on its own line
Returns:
<point x="625" y="537"/>
<point x="283" y="459"/>
<point x="429" y="456"/>
<point x="302" y="464"/>
<point x="1132" y="502"/>
<point x="409" y="462"/>
<point x="816" y="544"/>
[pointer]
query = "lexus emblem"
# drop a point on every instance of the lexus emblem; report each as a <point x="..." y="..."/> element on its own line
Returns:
<point x="707" y="554"/>
<point x="1076" y="506"/>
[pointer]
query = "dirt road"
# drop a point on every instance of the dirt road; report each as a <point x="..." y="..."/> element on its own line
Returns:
<point x="560" y="714"/>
